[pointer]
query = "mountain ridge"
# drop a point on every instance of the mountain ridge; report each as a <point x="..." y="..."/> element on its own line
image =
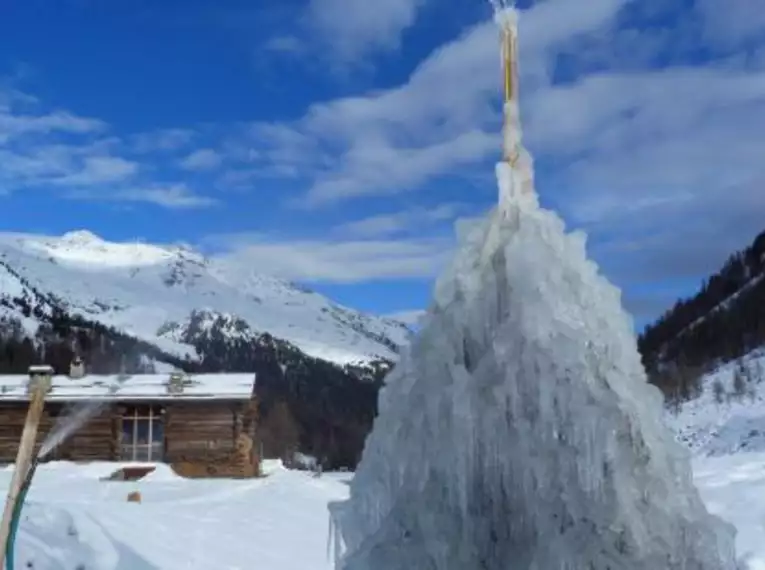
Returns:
<point x="143" y="289"/>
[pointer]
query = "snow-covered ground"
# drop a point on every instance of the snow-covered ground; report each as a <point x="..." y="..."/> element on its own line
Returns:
<point x="720" y="421"/>
<point x="276" y="523"/>
<point x="281" y="522"/>
<point x="733" y="487"/>
<point x="725" y="430"/>
<point x="75" y="521"/>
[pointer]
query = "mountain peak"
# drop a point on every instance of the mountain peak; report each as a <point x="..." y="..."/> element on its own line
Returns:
<point x="81" y="237"/>
<point x="83" y="248"/>
<point x="142" y="289"/>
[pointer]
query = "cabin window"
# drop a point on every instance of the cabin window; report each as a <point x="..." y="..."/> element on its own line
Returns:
<point x="143" y="434"/>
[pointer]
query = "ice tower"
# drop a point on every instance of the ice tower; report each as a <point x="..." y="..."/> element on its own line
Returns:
<point x="518" y="431"/>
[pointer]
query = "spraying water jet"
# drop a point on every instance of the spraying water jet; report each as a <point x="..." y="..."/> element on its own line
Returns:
<point x="40" y="383"/>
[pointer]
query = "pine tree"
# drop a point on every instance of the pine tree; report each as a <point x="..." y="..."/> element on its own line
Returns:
<point x="739" y="380"/>
<point x="719" y="391"/>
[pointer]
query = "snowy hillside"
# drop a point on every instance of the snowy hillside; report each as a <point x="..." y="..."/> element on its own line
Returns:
<point x="724" y="428"/>
<point x="154" y="292"/>
<point x="728" y="416"/>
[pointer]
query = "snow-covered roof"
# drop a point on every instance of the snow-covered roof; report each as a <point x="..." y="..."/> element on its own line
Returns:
<point x="136" y="387"/>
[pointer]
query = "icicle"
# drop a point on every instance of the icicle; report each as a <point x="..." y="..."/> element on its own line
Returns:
<point x="514" y="430"/>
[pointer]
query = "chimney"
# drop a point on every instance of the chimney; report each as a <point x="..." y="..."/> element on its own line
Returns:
<point x="176" y="382"/>
<point x="77" y="368"/>
<point x="40" y="373"/>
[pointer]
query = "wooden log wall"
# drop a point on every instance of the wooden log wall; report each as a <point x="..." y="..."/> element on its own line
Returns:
<point x="211" y="439"/>
<point x="92" y="441"/>
<point x="11" y="425"/>
<point x="202" y="439"/>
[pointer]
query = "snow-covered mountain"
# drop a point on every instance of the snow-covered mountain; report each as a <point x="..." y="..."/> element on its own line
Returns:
<point x="171" y="296"/>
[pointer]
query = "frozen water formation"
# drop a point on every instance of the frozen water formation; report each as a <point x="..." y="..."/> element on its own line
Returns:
<point x="519" y="431"/>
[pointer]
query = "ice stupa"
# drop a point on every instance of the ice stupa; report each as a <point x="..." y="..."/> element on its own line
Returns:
<point x="519" y="431"/>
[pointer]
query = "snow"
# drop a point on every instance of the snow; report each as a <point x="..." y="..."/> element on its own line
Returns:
<point x="732" y="424"/>
<point x="135" y="387"/>
<point x="724" y="432"/>
<point x="276" y="523"/>
<point x="140" y="288"/>
<point x="733" y="487"/>
<point x="519" y="427"/>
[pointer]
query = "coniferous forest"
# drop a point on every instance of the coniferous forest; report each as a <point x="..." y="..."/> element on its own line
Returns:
<point x="724" y="321"/>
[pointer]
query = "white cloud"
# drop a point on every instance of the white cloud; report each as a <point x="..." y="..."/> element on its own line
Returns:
<point x="62" y="165"/>
<point x="162" y="140"/>
<point x="354" y="29"/>
<point x="99" y="170"/>
<point x="338" y="261"/>
<point x="176" y="196"/>
<point x="733" y="22"/>
<point x="378" y="167"/>
<point x="173" y="196"/>
<point x="203" y="159"/>
<point x="34" y="155"/>
<point x="437" y="122"/>
<point x="14" y="125"/>
<point x="634" y="147"/>
<point x="417" y="219"/>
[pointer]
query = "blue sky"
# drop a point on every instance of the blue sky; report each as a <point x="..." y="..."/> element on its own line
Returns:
<point x="335" y="142"/>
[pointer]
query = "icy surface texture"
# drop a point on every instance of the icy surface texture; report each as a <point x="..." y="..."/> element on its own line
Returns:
<point x="519" y="430"/>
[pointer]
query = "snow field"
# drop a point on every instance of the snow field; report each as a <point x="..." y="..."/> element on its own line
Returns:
<point x="73" y="518"/>
<point x="280" y="522"/>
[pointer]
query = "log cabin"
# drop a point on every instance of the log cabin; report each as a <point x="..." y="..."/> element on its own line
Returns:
<point x="201" y="425"/>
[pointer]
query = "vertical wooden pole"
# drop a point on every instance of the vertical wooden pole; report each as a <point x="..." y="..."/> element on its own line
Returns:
<point x="24" y="455"/>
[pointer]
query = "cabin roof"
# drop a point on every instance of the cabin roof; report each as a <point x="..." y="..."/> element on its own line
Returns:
<point x="135" y="387"/>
